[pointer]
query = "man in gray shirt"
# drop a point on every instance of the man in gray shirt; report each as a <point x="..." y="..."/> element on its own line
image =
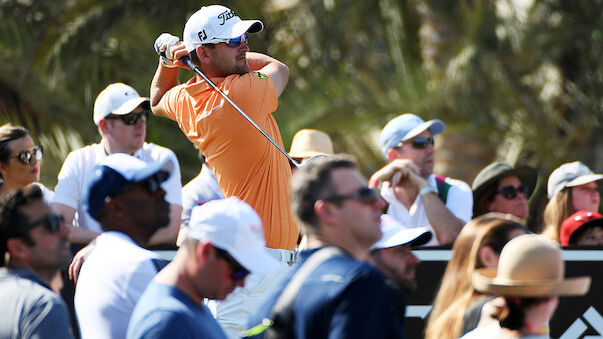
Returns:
<point x="34" y="242"/>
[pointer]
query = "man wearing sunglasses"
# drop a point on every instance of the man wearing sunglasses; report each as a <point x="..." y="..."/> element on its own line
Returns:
<point x="245" y="163"/>
<point x="222" y="244"/>
<point x="125" y="195"/>
<point x="121" y="115"/>
<point x="34" y="241"/>
<point x="342" y="296"/>
<point x="417" y="197"/>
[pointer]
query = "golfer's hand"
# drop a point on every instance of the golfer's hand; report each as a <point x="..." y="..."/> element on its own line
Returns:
<point x="400" y="172"/>
<point x="78" y="260"/>
<point x="163" y="46"/>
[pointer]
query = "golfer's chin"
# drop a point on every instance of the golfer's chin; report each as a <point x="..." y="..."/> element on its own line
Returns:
<point x="242" y="69"/>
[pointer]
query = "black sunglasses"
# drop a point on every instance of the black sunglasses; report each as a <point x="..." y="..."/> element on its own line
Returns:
<point x="26" y="157"/>
<point x="419" y="143"/>
<point x="365" y="195"/>
<point x="130" y="118"/>
<point x="154" y="182"/>
<point x="238" y="272"/>
<point x="510" y="192"/>
<point x="53" y="222"/>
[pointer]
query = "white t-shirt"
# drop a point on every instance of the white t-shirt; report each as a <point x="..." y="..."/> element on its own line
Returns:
<point x="110" y="283"/>
<point x="459" y="201"/>
<point x="203" y="188"/>
<point x="73" y="179"/>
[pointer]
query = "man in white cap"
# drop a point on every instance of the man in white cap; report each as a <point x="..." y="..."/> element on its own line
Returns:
<point x="392" y="255"/>
<point x="417" y="197"/>
<point x="222" y="244"/>
<point x="245" y="163"/>
<point x="125" y="196"/>
<point x="121" y="115"/>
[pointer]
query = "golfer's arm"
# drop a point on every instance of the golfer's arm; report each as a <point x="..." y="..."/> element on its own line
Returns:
<point x="164" y="79"/>
<point x="278" y="71"/>
<point x="446" y="226"/>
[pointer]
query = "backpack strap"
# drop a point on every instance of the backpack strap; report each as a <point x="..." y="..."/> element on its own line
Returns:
<point x="281" y="317"/>
<point x="443" y="188"/>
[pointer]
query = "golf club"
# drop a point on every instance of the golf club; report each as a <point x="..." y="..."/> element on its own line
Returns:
<point x="198" y="71"/>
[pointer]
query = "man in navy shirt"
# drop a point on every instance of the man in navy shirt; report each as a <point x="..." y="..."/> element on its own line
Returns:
<point x="222" y="244"/>
<point x="37" y="245"/>
<point x="343" y="297"/>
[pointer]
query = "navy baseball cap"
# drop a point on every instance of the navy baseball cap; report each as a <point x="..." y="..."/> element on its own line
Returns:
<point x="405" y="127"/>
<point x="114" y="172"/>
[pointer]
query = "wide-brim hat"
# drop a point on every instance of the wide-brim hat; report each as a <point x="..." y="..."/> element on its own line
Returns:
<point x="310" y="142"/>
<point x="531" y="266"/>
<point x="499" y="169"/>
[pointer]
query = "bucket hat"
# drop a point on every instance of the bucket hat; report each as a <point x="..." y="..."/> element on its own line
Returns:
<point x="497" y="170"/>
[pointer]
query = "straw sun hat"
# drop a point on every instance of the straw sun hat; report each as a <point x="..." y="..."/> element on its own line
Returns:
<point x="529" y="266"/>
<point x="310" y="142"/>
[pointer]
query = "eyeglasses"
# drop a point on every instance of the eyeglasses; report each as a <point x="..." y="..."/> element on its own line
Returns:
<point x="419" y="143"/>
<point x="234" y="42"/>
<point x="510" y="192"/>
<point x="364" y="195"/>
<point x="238" y="272"/>
<point x="53" y="222"/>
<point x="130" y="118"/>
<point x="26" y="157"/>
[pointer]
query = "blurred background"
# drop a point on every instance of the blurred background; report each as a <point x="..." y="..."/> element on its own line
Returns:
<point x="514" y="80"/>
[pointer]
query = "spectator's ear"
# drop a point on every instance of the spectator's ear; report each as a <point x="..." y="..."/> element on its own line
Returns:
<point x="325" y="212"/>
<point x="18" y="248"/>
<point x="392" y="154"/>
<point x="488" y="257"/>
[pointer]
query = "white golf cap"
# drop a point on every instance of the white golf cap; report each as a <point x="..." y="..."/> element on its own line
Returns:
<point x="233" y="226"/>
<point x="118" y="99"/>
<point x="215" y="23"/>
<point x="570" y="174"/>
<point x="395" y="234"/>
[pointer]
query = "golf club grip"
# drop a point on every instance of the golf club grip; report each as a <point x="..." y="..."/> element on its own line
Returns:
<point x="190" y="64"/>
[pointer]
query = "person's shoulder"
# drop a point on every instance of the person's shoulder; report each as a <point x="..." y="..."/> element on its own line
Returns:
<point x="457" y="183"/>
<point x="149" y="148"/>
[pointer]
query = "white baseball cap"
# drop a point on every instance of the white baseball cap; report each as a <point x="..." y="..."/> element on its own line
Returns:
<point x="570" y="174"/>
<point x="214" y="24"/>
<point x="395" y="234"/>
<point x="118" y="99"/>
<point x="235" y="227"/>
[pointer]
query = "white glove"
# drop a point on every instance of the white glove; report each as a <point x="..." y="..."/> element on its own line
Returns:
<point x="162" y="47"/>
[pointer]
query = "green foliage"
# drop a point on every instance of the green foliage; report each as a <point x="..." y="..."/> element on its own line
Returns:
<point x="524" y="79"/>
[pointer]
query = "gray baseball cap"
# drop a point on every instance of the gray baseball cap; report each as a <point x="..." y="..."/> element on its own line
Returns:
<point x="570" y="174"/>
<point x="405" y="127"/>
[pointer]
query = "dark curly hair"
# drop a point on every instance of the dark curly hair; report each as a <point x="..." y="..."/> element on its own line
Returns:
<point x="11" y="218"/>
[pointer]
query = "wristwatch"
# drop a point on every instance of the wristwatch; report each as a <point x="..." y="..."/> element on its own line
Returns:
<point x="427" y="190"/>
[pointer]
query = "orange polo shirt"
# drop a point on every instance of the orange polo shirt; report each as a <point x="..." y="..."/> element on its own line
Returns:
<point x="246" y="164"/>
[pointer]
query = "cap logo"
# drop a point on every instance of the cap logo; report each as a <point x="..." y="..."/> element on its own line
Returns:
<point x="202" y="35"/>
<point x="226" y="15"/>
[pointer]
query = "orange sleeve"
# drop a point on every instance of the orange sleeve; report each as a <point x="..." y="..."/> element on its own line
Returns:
<point x="254" y="93"/>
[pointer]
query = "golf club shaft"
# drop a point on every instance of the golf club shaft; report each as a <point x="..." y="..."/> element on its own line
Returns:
<point x="198" y="71"/>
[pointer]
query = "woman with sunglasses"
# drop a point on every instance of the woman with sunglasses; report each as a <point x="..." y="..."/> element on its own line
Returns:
<point x="571" y="188"/>
<point x="501" y="188"/>
<point x="20" y="160"/>
<point x="479" y="244"/>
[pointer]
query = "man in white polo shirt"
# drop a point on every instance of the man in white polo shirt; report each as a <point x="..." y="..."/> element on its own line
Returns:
<point x="417" y="197"/>
<point x="121" y="115"/>
<point x="124" y="194"/>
